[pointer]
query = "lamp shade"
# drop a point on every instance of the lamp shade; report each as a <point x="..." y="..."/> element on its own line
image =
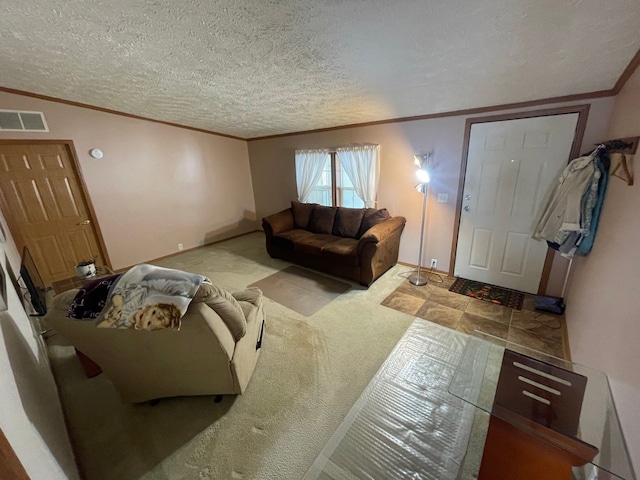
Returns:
<point x="423" y="175"/>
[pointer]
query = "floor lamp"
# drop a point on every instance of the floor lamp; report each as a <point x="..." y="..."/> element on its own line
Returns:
<point x="422" y="161"/>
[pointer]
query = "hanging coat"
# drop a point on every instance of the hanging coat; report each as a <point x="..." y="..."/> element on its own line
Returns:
<point x="562" y="209"/>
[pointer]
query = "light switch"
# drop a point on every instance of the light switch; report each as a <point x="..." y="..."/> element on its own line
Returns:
<point x="443" y="198"/>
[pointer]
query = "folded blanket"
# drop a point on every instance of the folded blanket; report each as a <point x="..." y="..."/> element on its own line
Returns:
<point x="147" y="297"/>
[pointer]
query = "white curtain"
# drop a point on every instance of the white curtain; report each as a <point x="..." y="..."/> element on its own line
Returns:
<point x="309" y="165"/>
<point x="362" y="165"/>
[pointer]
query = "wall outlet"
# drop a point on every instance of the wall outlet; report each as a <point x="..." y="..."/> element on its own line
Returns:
<point x="443" y="198"/>
<point x="434" y="263"/>
<point x="180" y="247"/>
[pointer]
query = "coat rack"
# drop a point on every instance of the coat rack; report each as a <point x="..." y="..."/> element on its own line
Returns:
<point x="622" y="147"/>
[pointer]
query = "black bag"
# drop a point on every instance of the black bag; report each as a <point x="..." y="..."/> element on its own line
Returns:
<point x="550" y="304"/>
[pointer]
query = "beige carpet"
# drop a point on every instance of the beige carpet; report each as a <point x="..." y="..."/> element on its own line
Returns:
<point x="301" y="290"/>
<point x="311" y="371"/>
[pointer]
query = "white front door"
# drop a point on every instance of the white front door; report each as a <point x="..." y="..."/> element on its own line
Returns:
<point x="511" y="165"/>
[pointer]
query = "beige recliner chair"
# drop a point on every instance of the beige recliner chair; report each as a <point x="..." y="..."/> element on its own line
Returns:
<point x="202" y="358"/>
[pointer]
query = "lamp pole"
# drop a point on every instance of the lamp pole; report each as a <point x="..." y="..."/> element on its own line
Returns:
<point x="416" y="278"/>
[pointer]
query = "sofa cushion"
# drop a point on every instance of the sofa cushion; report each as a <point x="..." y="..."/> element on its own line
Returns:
<point x="321" y="220"/>
<point x="343" y="251"/>
<point x="289" y="238"/>
<point x="301" y="213"/>
<point x="347" y="222"/>
<point x="372" y="217"/>
<point x="314" y="244"/>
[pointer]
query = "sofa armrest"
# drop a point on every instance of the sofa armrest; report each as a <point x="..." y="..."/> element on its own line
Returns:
<point x="378" y="249"/>
<point x="382" y="230"/>
<point x="278" y="222"/>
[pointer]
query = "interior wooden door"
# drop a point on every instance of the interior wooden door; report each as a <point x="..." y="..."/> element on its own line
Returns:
<point x="510" y="166"/>
<point x="10" y="466"/>
<point x="46" y="208"/>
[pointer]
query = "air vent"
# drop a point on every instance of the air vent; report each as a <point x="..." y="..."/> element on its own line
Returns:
<point x="16" y="121"/>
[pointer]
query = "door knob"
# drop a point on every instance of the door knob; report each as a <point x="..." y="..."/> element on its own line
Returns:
<point x="467" y="208"/>
<point x="85" y="222"/>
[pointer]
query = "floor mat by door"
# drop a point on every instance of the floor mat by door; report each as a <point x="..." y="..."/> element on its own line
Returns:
<point x="488" y="293"/>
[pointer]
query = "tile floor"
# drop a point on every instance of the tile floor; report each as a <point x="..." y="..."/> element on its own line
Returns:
<point x="527" y="327"/>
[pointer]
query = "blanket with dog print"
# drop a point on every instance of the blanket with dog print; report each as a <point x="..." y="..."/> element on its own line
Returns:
<point x="147" y="297"/>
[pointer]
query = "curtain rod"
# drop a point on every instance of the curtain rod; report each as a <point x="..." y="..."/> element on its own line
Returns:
<point x="335" y="149"/>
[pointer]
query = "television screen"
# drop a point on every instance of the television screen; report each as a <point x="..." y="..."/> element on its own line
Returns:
<point x="33" y="282"/>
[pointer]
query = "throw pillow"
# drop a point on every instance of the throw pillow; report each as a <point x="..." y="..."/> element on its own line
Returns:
<point x="301" y="214"/>
<point x="372" y="217"/>
<point x="321" y="220"/>
<point x="348" y="222"/>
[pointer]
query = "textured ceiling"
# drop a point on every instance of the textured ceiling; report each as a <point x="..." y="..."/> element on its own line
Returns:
<point x="263" y="67"/>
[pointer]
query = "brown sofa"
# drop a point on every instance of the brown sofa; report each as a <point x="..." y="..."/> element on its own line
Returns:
<point x="355" y="243"/>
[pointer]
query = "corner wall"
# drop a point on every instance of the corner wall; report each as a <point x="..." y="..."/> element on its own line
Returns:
<point x="602" y="300"/>
<point x="156" y="185"/>
<point x="30" y="412"/>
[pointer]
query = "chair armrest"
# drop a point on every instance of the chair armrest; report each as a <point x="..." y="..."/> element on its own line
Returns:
<point x="278" y="222"/>
<point x="382" y="230"/>
<point x="62" y="300"/>
<point x="221" y="332"/>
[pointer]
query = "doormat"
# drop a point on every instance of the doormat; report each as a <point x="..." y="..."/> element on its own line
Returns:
<point x="301" y="290"/>
<point x="488" y="293"/>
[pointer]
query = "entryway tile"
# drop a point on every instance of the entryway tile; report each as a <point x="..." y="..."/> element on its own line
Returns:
<point x="446" y="282"/>
<point x="494" y="312"/>
<point x="529" y="302"/>
<point x="539" y="323"/>
<point x="528" y="327"/>
<point x="469" y="323"/>
<point x="450" y="299"/>
<point x="423" y="291"/>
<point x="533" y="341"/>
<point x="403" y="302"/>
<point x="440" y="314"/>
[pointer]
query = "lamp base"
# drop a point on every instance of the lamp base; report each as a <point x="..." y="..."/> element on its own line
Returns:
<point x="418" y="279"/>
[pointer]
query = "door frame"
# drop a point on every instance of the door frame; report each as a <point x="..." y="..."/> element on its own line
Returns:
<point x="84" y="191"/>
<point x="583" y="114"/>
<point x="10" y="466"/>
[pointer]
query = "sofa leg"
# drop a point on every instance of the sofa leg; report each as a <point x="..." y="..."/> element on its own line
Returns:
<point x="218" y="399"/>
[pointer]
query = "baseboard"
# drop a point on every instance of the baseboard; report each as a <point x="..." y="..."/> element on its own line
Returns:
<point x="124" y="269"/>
<point x="425" y="268"/>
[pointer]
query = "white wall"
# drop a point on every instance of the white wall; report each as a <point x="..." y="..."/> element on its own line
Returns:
<point x="602" y="301"/>
<point x="30" y="413"/>
<point x="156" y="185"/>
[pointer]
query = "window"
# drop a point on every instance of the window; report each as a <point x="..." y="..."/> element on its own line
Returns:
<point x="328" y="177"/>
<point x="324" y="192"/>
